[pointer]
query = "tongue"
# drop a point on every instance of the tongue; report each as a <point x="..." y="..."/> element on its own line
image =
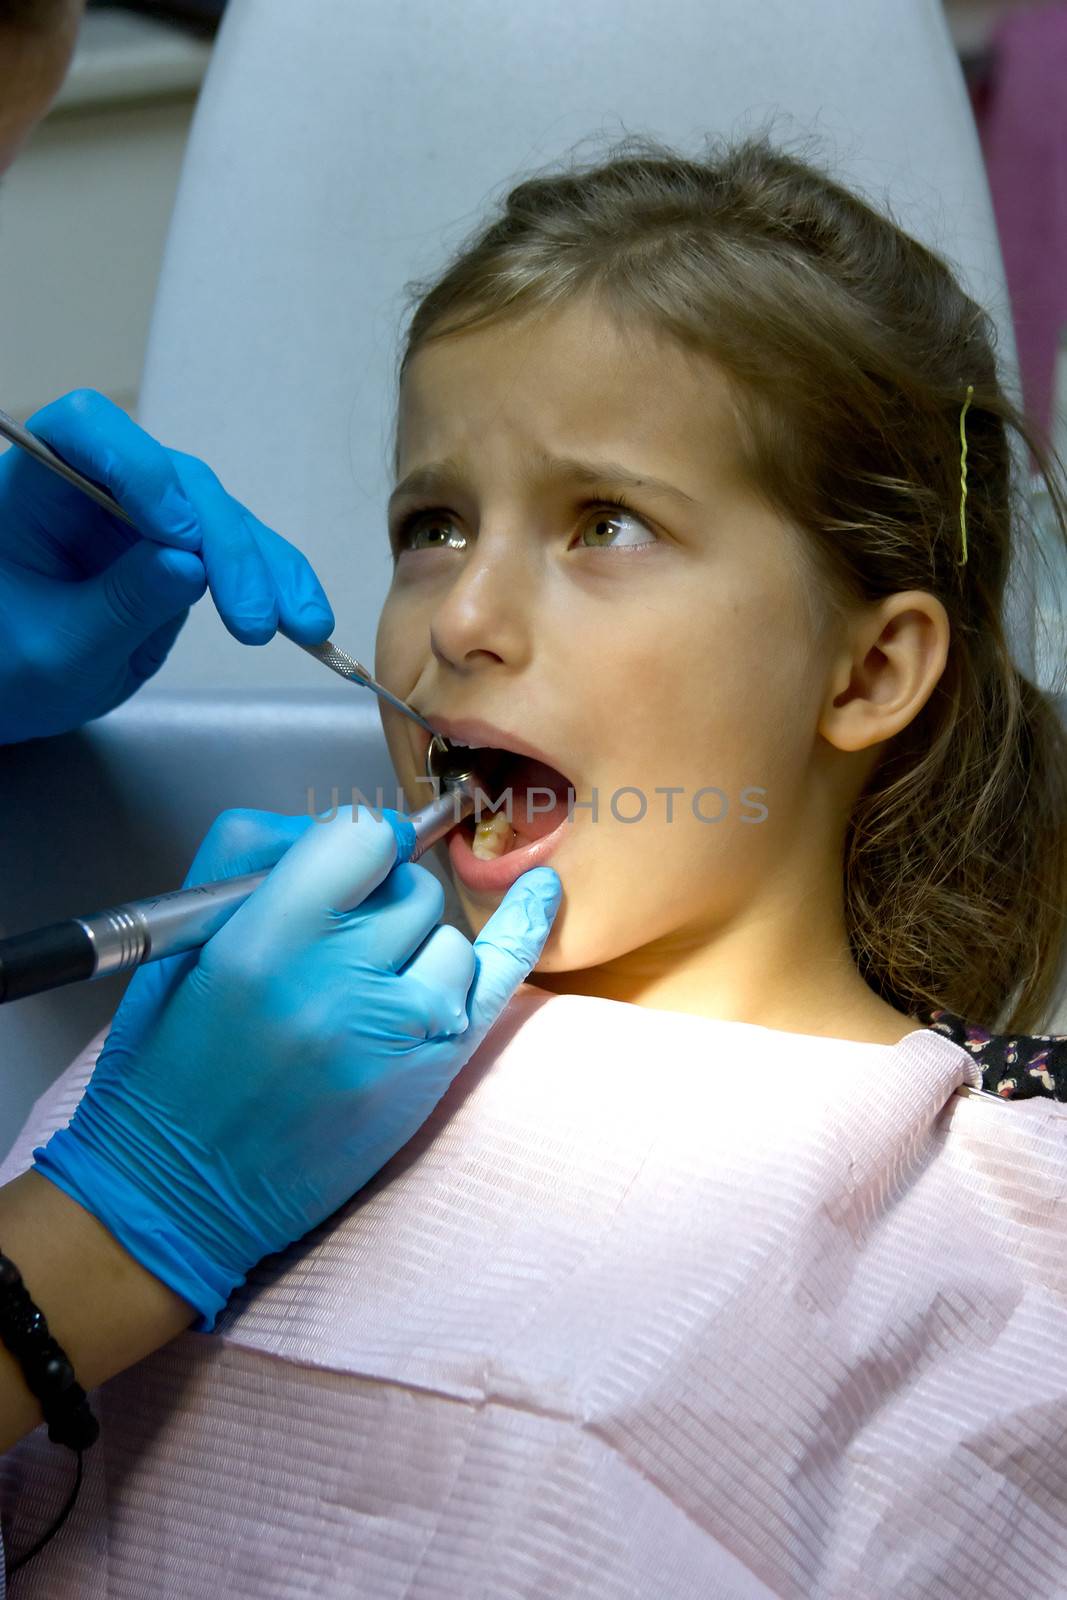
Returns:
<point x="523" y="774"/>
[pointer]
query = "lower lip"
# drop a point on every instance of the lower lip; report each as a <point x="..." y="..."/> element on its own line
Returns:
<point x="494" y="876"/>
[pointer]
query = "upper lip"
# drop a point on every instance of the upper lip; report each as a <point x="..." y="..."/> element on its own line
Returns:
<point x="473" y="730"/>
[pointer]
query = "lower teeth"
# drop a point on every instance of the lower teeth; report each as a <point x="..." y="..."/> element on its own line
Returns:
<point x="493" y="837"/>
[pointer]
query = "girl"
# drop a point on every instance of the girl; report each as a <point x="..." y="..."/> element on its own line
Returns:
<point x="708" y="1276"/>
<point x="805" y="608"/>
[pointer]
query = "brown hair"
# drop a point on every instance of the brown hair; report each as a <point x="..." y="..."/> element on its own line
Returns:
<point x="849" y="346"/>
<point x="36" y="16"/>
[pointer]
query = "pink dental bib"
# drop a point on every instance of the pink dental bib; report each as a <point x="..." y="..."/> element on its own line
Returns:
<point x="653" y="1305"/>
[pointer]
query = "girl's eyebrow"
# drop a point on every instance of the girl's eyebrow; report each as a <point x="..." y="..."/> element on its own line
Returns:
<point x="439" y="476"/>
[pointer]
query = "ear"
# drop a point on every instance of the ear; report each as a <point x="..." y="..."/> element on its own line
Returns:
<point x="887" y="670"/>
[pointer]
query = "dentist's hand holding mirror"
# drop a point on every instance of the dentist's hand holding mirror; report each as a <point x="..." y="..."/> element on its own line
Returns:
<point x="90" y="606"/>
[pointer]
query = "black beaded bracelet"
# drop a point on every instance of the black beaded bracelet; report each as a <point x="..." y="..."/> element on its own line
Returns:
<point x="47" y="1371"/>
<point x="49" y="1377"/>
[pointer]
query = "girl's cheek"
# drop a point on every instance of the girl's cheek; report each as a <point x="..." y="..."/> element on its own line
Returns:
<point x="393" y="643"/>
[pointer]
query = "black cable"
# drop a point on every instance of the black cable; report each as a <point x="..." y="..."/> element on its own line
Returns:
<point x="13" y="1566"/>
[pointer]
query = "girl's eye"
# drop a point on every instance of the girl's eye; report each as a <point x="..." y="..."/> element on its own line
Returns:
<point x="436" y="523"/>
<point x="434" y="520"/>
<point x="602" y="524"/>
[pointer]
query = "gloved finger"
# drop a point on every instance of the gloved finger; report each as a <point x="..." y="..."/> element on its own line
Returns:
<point x="149" y="656"/>
<point x="510" y="944"/>
<point x="96" y="436"/>
<point x="440" y="973"/>
<point x="331" y="868"/>
<point x="387" y="928"/>
<point x="240" y="581"/>
<point x="146" y="993"/>
<point x="108" y="616"/>
<point x="304" y="613"/>
<point x="238" y="841"/>
<point x="243" y="840"/>
<point x="64" y="535"/>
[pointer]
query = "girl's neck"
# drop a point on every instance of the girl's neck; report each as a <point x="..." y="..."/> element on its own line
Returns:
<point x="848" y="1010"/>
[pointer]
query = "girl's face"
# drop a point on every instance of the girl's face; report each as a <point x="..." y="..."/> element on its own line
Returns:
<point x="33" y="64"/>
<point x="663" y="647"/>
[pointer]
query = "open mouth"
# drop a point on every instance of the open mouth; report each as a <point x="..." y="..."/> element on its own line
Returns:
<point x="520" y="799"/>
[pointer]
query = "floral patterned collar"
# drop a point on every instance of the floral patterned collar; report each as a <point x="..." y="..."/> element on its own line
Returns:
<point x="1014" y="1066"/>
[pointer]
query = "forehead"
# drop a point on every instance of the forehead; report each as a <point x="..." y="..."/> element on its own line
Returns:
<point x="569" y="379"/>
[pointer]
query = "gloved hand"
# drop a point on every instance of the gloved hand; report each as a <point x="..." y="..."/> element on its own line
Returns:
<point x="89" y="607"/>
<point x="248" y="1089"/>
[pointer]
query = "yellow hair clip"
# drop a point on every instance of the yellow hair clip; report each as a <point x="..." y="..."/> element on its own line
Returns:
<point x="963" y="474"/>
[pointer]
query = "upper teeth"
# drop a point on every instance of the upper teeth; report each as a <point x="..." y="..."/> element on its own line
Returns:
<point x="462" y="744"/>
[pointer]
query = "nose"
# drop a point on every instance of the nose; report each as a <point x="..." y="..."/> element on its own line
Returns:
<point x="485" y="616"/>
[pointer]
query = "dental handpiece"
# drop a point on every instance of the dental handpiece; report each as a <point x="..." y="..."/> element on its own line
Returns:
<point x="85" y="948"/>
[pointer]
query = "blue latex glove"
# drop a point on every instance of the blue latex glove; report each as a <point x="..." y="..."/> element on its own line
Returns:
<point x="248" y="1089"/>
<point x="89" y="607"/>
